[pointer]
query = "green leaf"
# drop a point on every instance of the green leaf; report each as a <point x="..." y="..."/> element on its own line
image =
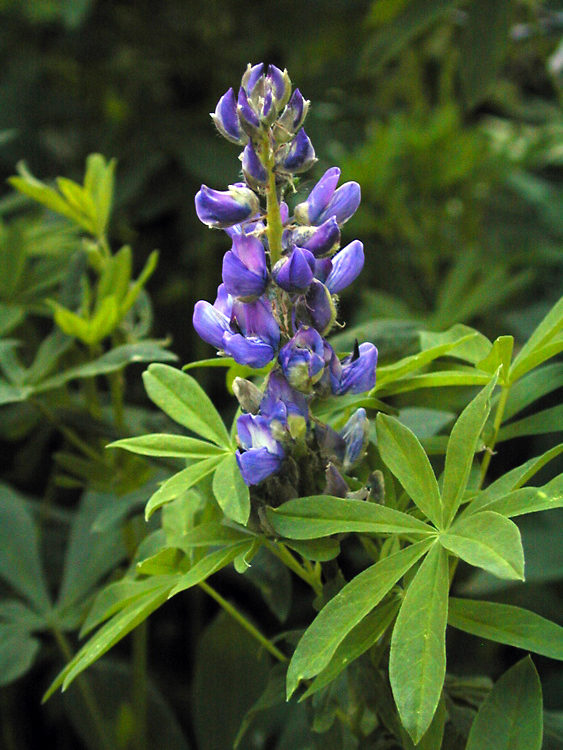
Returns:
<point x="321" y="515"/>
<point x="342" y="613"/>
<point x="98" y="183"/>
<point x="461" y="450"/>
<point x="469" y="345"/>
<point x="489" y="541"/>
<point x="135" y="288"/>
<point x="417" y="661"/>
<point x="522" y="501"/>
<point x="536" y="357"/>
<point x="549" y="420"/>
<point x="11" y="394"/>
<point x="209" y="565"/>
<point x="88" y="330"/>
<point x="320" y="550"/>
<point x="504" y="623"/>
<point x="536" y="384"/>
<point x="230" y="491"/>
<point x="357" y="642"/>
<point x="181" y="482"/>
<point x="18" y="650"/>
<point x="545" y="331"/>
<point x="211" y="534"/>
<point x="499" y="356"/>
<point x="20" y="563"/>
<point x="116" y="275"/>
<point x="185" y="401"/>
<point x="510" y="717"/>
<point x="402" y="452"/>
<point x="170" y="446"/>
<point x="439" y="379"/>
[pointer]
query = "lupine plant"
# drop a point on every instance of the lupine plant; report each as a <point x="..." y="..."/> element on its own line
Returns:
<point x="321" y="475"/>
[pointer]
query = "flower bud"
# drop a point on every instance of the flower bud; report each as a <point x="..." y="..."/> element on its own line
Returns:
<point x="355" y="435"/>
<point x="245" y="273"/>
<point x="325" y="201"/>
<point x="291" y="119"/>
<point x="280" y="85"/>
<point x="346" y="267"/>
<point x="298" y="156"/>
<point x="343" y="204"/>
<point x="249" y="119"/>
<point x="253" y="169"/>
<point x="222" y="209"/>
<point x="321" y="241"/>
<point x="316" y="308"/>
<point x="302" y="359"/>
<point x="226" y="119"/>
<point x="248" y="395"/>
<point x="335" y="484"/>
<point x="294" y="273"/>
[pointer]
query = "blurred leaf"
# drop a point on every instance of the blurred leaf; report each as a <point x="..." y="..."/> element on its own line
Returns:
<point x="273" y="580"/>
<point x="533" y="386"/>
<point x="487" y="540"/>
<point x="417" y="662"/>
<point x="425" y="423"/>
<point x="18" y="650"/>
<point x="506" y="624"/>
<point x="464" y="342"/>
<point x="185" y="401"/>
<point x="542" y="336"/>
<point x="348" y="608"/>
<point x="510" y="717"/>
<point x="230" y="491"/>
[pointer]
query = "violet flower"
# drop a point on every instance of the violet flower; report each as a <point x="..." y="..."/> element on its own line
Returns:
<point x="325" y="201"/>
<point x="356" y="373"/>
<point x="302" y="359"/>
<point x="221" y="209"/>
<point x="295" y="272"/>
<point x="245" y="273"/>
<point x="263" y="455"/>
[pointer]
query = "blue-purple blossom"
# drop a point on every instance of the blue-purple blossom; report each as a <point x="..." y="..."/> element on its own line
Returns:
<point x="253" y="169"/>
<point x="297" y="156"/>
<point x="263" y="455"/>
<point x="355" y="435"/>
<point x="286" y="408"/>
<point x="221" y="209"/>
<point x="295" y="272"/>
<point x="356" y="373"/>
<point x="325" y="201"/>
<point x="321" y="241"/>
<point x="213" y="321"/>
<point x="227" y="121"/>
<point x="292" y="118"/>
<point x="245" y="273"/>
<point x="346" y="267"/>
<point x="302" y="359"/>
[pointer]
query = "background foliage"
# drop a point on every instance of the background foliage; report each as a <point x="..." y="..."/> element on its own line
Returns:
<point x="447" y="113"/>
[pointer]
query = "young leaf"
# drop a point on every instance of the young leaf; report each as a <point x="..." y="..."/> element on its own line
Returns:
<point x="319" y="516"/>
<point x="489" y="541"/>
<point x="507" y="624"/>
<point x="170" y="446"/>
<point x="402" y="452"/>
<point x="510" y="717"/>
<point x="342" y="613"/>
<point x="181" y="482"/>
<point x="417" y="662"/>
<point x="230" y="491"/>
<point x="461" y="450"/>
<point x="185" y="401"/>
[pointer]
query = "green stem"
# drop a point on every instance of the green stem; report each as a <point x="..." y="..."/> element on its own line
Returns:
<point x="88" y="696"/>
<point x="248" y="626"/>
<point x="496" y="427"/>
<point x="279" y="550"/>
<point x="275" y="226"/>
<point x="140" y="697"/>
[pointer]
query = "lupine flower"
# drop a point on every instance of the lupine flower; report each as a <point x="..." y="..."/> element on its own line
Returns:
<point x="291" y="119"/>
<point x="294" y="273"/>
<point x="226" y="119"/>
<point x="263" y="455"/>
<point x="245" y="273"/>
<point x="302" y="359"/>
<point x="321" y="241"/>
<point x="221" y="209"/>
<point x="355" y="435"/>
<point x="252" y="168"/>
<point x="297" y="156"/>
<point x="356" y="373"/>
<point x="286" y="408"/>
<point x="346" y="267"/>
<point x="325" y="201"/>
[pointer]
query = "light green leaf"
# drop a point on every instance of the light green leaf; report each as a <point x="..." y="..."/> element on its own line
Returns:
<point x="510" y="717"/>
<point x="98" y="182"/>
<point x="499" y="356"/>
<point x="358" y="641"/>
<point x="402" y="452"/>
<point x="11" y="394"/>
<point x="489" y="541"/>
<point x="417" y="661"/>
<point x="18" y="650"/>
<point x="439" y="379"/>
<point x="230" y="491"/>
<point x="181" y="482"/>
<point x="470" y="345"/>
<point x="546" y="330"/>
<point x="20" y="563"/>
<point x="112" y="632"/>
<point x="506" y="624"/>
<point x="116" y="275"/>
<point x="536" y="384"/>
<point x="135" y="288"/>
<point x="321" y="515"/>
<point x="549" y="420"/>
<point x="522" y="501"/>
<point x="461" y="450"/>
<point x="209" y="565"/>
<point x="88" y="330"/>
<point x="185" y="401"/>
<point x="342" y="613"/>
<point x="170" y="446"/>
<point x="536" y="357"/>
<point x="211" y="534"/>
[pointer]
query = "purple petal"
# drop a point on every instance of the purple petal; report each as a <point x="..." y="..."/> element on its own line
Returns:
<point x="319" y="308"/>
<point x="247" y="116"/>
<point x="210" y="324"/>
<point x="319" y="198"/>
<point x="239" y="280"/>
<point x="343" y="204"/>
<point x="280" y="84"/>
<point x="358" y="371"/>
<point x="325" y="239"/>
<point x="221" y="209"/>
<point x="254" y="432"/>
<point x="226" y="119"/>
<point x="300" y="156"/>
<point x="346" y="267"/>
<point x="251" y="76"/>
<point x="249" y="351"/>
<point x="257" y="464"/>
<point x="252" y="167"/>
<point x="256" y="319"/>
<point x="224" y="301"/>
<point x="251" y="252"/>
<point x="355" y="434"/>
<point x="294" y="274"/>
<point x="292" y="118"/>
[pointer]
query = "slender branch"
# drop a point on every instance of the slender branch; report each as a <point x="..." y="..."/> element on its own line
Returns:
<point x="280" y="551"/>
<point x="496" y="428"/>
<point x="241" y="619"/>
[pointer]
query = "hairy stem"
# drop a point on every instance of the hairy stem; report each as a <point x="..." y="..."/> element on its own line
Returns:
<point x="275" y="226"/>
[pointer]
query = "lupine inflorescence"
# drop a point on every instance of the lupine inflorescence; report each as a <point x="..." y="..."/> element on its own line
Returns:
<point x="277" y="300"/>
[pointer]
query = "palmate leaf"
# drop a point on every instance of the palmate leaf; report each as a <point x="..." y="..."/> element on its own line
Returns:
<point x="507" y="624"/>
<point x="185" y="401"/>
<point x="510" y="717"/>
<point x="342" y="613"/>
<point x="417" y="662"/>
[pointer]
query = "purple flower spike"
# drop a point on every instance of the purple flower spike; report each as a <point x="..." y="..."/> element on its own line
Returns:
<point x="245" y="273"/>
<point x="300" y="155"/>
<point x="295" y="273"/>
<point x="226" y="119"/>
<point x="249" y="120"/>
<point x="212" y="321"/>
<point x="292" y="118"/>
<point x="355" y="434"/>
<point x="356" y="373"/>
<point x="263" y="455"/>
<point x="325" y="239"/>
<point x="222" y="209"/>
<point x="343" y="204"/>
<point x="302" y="359"/>
<point x="317" y="309"/>
<point x="346" y="267"/>
<point x="253" y="169"/>
<point x="319" y="198"/>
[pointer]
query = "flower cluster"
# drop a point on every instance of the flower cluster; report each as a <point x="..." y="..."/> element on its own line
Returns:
<point x="277" y="300"/>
